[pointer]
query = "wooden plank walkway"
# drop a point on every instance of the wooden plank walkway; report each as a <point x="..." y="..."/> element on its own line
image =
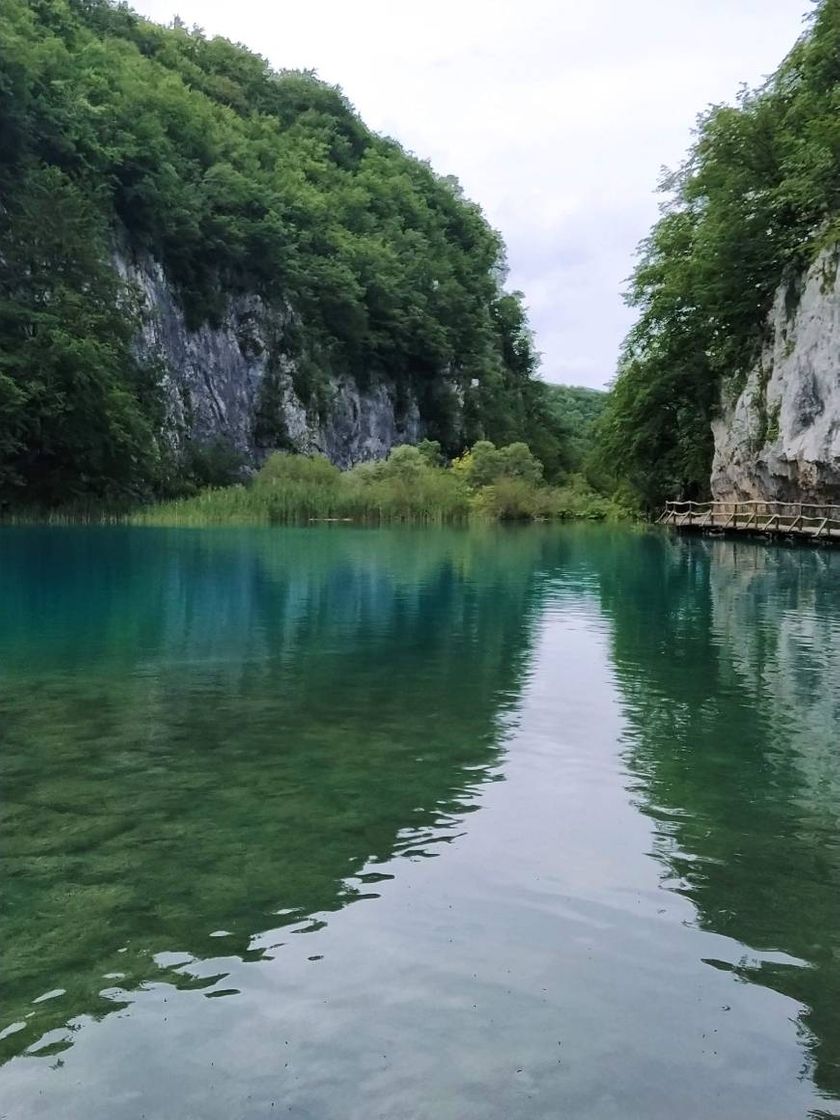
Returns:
<point x="771" y="519"/>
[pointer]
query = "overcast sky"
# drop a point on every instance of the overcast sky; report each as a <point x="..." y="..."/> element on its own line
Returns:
<point x="556" y="115"/>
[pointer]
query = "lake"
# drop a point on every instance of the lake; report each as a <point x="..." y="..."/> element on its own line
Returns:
<point x="341" y="824"/>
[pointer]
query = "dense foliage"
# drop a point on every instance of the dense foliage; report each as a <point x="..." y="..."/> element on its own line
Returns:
<point x="576" y="409"/>
<point x="414" y="485"/>
<point x="758" y="195"/>
<point x="237" y="179"/>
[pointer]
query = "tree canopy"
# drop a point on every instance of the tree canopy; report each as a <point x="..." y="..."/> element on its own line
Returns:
<point x="576" y="409"/>
<point x="757" y="197"/>
<point x="237" y="179"/>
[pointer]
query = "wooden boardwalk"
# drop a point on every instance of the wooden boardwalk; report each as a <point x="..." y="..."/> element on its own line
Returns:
<point x="769" y="519"/>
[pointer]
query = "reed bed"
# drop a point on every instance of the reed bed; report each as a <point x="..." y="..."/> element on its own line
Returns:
<point x="404" y="489"/>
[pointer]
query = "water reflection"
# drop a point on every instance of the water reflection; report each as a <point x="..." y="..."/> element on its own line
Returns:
<point x="214" y="743"/>
<point x="206" y="736"/>
<point x="728" y="656"/>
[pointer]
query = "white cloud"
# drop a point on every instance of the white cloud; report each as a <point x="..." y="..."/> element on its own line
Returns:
<point x="555" y="115"/>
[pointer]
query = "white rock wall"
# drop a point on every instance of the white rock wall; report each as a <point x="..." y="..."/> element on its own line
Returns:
<point x="213" y="379"/>
<point x="780" y="438"/>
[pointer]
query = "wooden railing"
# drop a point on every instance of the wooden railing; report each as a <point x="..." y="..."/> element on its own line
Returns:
<point x="783" y="518"/>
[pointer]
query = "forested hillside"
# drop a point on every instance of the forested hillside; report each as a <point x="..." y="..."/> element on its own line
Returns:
<point x="754" y="202"/>
<point x="576" y="410"/>
<point x="238" y="180"/>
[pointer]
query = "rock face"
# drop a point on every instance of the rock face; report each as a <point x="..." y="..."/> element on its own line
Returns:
<point x="234" y="383"/>
<point x="780" y="438"/>
<point x="789" y="591"/>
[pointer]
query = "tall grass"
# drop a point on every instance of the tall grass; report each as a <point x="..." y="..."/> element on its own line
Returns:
<point x="406" y="488"/>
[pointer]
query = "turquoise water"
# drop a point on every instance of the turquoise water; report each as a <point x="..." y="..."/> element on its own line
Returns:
<point x="344" y="824"/>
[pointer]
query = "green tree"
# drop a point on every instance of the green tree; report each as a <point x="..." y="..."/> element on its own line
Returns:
<point x="76" y="406"/>
<point x="237" y="179"/>
<point x="757" y="197"/>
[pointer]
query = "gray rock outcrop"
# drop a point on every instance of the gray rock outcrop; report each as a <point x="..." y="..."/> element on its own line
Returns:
<point x="779" y="438"/>
<point x="234" y="382"/>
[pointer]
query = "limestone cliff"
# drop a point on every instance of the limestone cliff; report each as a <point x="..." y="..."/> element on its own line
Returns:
<point x="235" y="382"/>
<point x="779" y="438"/>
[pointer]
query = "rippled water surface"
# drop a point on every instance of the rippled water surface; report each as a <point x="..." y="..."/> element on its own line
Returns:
<point x="342" y="824"/>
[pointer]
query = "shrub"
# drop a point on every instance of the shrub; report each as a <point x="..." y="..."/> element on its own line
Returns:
<point x="404" y="462"/>
<point x="485" y="464"/>
<point x="282" y="467"/>
<point x="405" y="487"/>
<point x="509" y="499"/>
<point x="481" y="465"/>
<point x="518" y="461"/>
<point x="431" y="451"/>
<point x="577" y="500"/>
